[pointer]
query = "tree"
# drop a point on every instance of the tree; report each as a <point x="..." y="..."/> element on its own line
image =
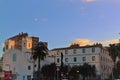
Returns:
<point x="114" y="51"/>
<point x="65" y="71"/>
<point x="74" y="72"/>
<point x="84" y="70"/>
<point x="87" y="71"/>
<point x="117" y="70"/>
<point x="93" y="70"/>
<point x="49" y="71"/>
<point x="40" y="51"/>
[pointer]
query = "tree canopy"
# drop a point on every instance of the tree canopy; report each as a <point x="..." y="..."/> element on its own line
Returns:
<point x="39" y="52"/>
<point x="114" y="50"/>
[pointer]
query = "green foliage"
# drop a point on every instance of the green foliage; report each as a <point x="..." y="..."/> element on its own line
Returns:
<point x="88" y="70"/>
<point x="114" y="50"/>
<point x="39" y="51"/>
<point x="49" y="71"/>
<point x="116" y="70"/>
<point x="85" y="70"/>
<point x="75" y="71"/>
<point x="65" y="69"/>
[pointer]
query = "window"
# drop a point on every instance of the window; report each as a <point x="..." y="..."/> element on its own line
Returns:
<point x="84" y="58"/>
<point x="23" y="77"/>
<point x="35" y="65"/>
<point x="58" y="60"/>
<point x="66" y="59"/>
<point x="66" y="51"/>
<point x="14" y="57"/>
<point x="29" y="67"/>
<point x="83" y="50"/>
<point x="24" y="44"/>
<point x="3" y="49"/>
<point x="75" y="59"/>
<point x="93" y="49"/>
<point x="93" y="58"/>
<point x="6" y="46"/>
<point x="29" y="77"/>
<point x="74" y="51"/>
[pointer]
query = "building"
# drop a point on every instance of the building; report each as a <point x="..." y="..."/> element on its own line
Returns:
<point x="1" y="70"/>
<point x="1" y="64"/>
<point x="78" y="55"/>
<point x="17" y="56"/>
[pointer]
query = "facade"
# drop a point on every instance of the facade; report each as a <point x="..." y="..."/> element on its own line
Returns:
<point x="94" y="55"/>
<point x="1" y="66"/>
<point x="17" y="56"/>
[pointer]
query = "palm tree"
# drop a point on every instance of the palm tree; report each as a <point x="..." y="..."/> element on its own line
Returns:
<point x="40" y="51"/>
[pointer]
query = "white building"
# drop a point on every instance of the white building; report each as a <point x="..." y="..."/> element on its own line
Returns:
<point x="94" y="55"/>
<point x="17" y="56"/>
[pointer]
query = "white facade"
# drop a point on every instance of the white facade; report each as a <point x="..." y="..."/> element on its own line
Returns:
<point x="18" y="63"/>
<point x="93" y="55"/>
<point x="18" y="60"/>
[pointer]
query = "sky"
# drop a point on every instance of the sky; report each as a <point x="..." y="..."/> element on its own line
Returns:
<point x="61" y="22"/>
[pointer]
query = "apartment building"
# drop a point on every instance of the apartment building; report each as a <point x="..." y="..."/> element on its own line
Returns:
<point x="94" y="55"/>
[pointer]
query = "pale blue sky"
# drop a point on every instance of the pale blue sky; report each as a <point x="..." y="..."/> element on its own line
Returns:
<point x="59" y="22"/>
